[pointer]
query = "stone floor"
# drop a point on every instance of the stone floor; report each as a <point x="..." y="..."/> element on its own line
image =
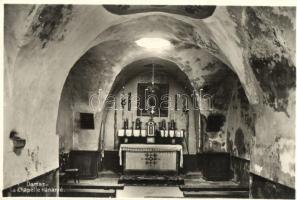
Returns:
<point x="150" y="192"/>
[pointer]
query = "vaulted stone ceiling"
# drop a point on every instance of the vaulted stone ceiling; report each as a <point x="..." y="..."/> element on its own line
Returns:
<point x="216" y="34"/>
<point x="100" y="66"/>
<point x="227" y="44"/>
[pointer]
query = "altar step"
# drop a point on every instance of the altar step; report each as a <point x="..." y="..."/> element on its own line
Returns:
<point x="213" y="189"/>
<point x="216" y="194"/>
<point x="219" y="186"/>
<point x="151" y="180"/>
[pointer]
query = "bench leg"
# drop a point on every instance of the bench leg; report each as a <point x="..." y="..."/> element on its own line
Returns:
<point x="76" y="178"/>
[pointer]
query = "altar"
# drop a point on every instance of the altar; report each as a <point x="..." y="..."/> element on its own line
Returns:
<point x="151" y="157"/>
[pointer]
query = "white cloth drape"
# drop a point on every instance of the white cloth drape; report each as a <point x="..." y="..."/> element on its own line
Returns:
<point x="152" y="148"/>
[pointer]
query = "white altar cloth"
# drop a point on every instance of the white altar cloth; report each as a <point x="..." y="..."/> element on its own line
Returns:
<point x="152" y="148"/>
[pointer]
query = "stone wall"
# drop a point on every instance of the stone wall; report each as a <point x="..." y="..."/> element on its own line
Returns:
<point x="262" y="188"/>
<point x="240" y="124"/>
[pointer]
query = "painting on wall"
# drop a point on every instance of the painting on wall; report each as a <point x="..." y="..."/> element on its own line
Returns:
<point x="152" y="99"/>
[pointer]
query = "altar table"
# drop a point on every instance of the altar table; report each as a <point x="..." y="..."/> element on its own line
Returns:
<point x="151" y="157"/>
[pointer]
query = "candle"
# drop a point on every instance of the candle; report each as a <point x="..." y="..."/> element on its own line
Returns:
<point x="159" y="114"/>
<point x="174" y="116"/>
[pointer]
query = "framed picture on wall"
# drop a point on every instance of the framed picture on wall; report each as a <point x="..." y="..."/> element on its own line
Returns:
<point x="152" y="97"/>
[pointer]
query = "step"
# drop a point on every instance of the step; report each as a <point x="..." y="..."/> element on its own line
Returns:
<point x="147" y="179"/>
<point x="213" y="186"/>
<point x="79" y="192"/>
<point x="216" y="194"/>
<point x="193" y="175"/>
<point x="108" y="174"/>
<point x="105" y="186"/>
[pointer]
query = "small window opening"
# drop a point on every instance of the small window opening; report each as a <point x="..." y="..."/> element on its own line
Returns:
<point x="87" y="121"/>
<point x="215" y="122"/>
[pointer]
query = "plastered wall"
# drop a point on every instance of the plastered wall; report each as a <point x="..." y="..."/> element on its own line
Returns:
<point x="263" y="136"/>
<point x="240" y="124"/>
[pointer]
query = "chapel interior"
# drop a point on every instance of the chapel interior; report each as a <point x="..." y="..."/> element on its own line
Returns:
<point x="149" y="101"/>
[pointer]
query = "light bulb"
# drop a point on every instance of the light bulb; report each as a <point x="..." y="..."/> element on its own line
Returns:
<point x="154" y="43"/>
